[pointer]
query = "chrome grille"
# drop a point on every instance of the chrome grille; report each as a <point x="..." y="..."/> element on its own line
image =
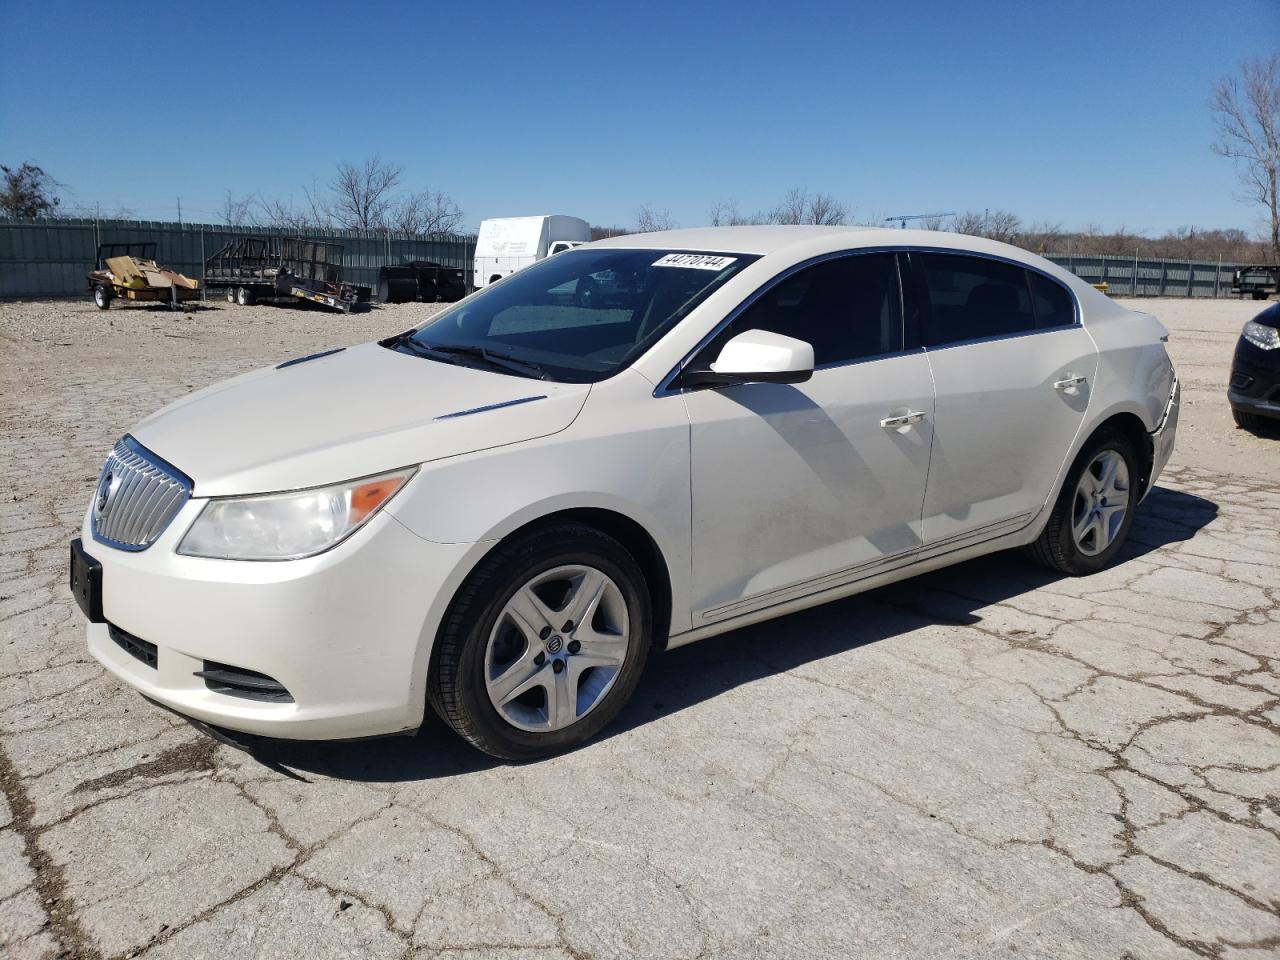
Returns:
<point x="137" y="496"/>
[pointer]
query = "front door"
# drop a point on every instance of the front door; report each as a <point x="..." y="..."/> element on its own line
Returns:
<point x="799" y="487"/>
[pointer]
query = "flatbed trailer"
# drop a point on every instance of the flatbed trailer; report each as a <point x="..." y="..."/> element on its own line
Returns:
<point x="128" y="271"/>
<point x="1258" y="281"/>
<point x="251" y="269"/>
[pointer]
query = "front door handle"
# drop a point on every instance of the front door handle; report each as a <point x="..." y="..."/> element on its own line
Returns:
<point x="906" y="420"/>
<point x="1067" y="382"/>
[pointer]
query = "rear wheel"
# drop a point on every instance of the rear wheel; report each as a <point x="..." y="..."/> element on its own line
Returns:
<point x="544" y="643"/>
<point x="1094" y="511"/>
<point x="231" y="294"/>
<point x="101" y="296"/>
<point x="1248" y="421"/>
<point x="245" y="296"/>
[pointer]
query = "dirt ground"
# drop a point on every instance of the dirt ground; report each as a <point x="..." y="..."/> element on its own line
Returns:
<point x="986" y="762"/>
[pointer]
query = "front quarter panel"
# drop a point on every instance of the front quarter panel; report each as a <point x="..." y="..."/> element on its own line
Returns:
<point x="627" y="452"/>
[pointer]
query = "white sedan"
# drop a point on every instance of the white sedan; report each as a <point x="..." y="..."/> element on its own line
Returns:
<point x="500" y="514"/>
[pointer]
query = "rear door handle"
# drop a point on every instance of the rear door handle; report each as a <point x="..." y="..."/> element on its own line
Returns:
<point x="1067" y="382"/>
<point x="906" y="420"/>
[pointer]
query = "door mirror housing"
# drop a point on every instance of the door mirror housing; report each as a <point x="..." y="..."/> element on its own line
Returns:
<point x="756" y="356"/>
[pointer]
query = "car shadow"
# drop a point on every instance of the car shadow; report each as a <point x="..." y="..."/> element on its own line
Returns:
<point x="684" y="677"/>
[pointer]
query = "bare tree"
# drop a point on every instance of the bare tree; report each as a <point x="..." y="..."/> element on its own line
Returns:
<point x="993" y="224"/>
<point x="235" y="210"/>
<point x="1247" y="114"/>
<point x="603" y="233"/>
<point x="27" y="191"/>
<point x="799" y="206"/>
<point x="651" y="219"/>
<point x="724" y="213"/>
<point x="363" y="194"/>
<point x="424" y="212"/>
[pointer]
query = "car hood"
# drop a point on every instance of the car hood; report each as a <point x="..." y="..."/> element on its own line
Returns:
<point x="348" y="414"/>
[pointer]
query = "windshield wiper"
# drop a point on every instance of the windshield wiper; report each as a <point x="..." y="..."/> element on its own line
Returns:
<point x="525" y="368"/>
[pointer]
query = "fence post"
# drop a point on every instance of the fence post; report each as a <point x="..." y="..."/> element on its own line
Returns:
<point x="1191" y="271"/>
<point x="1164" y="269"/>
<point x="1217" y="277"/>
<point x="1133" y="284"/>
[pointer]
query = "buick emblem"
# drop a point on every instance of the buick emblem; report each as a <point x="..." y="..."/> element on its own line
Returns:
<point x="554" y="644"/>
<point x="104" y="492"/>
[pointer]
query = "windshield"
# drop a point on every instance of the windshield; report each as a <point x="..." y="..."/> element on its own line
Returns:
<point x="579" y="316"/>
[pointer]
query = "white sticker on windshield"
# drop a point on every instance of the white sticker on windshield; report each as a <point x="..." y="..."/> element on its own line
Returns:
<point x="694" y="261"/>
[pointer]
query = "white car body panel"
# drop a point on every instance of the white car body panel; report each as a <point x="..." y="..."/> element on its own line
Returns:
<point x="791" y="485"/>
<point x="759" y="499"/>
<point x="358" y="412"/>
<point x="1002" y="430"/>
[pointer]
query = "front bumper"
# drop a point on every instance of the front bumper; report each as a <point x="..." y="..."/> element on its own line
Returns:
<point x="1255" y="381"/>
<point x="347" y="633"/>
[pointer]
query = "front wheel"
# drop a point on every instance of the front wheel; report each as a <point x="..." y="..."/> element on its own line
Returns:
<point x="543" y="644"/>
<point x="1094" y="511"/>
<point x="101" y="296"/>
<point x="244" y="296"/>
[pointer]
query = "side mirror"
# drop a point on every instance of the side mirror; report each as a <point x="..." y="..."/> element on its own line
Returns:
<point x="756" y="356"/>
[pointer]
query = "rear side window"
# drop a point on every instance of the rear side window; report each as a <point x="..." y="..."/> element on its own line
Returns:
<point x="1054" y="306"/>
<point x="972" y="298"/>
<point x="846" y="309"/>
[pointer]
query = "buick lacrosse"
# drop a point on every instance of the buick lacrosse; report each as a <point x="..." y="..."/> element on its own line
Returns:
<point x="629" y="446"/>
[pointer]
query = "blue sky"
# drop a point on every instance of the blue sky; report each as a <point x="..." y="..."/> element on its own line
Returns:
<point x="1070" y="112"/>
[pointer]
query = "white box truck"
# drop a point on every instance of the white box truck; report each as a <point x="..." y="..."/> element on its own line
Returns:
<point x="506" y="244"/>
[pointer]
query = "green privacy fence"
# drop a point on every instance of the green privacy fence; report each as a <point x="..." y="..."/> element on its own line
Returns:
<point x="49" y="258"/>
<point x="1142" y="277"/>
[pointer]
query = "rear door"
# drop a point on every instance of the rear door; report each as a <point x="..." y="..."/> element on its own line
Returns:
<point x="1012" y="369"/>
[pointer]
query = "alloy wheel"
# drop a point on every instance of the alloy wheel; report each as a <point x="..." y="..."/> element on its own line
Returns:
<point x="1101" y="503"/>
<point x="557" y="648"/>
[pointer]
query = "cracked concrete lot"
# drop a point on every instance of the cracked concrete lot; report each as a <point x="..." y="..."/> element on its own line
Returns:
<point x="990" y="761"/>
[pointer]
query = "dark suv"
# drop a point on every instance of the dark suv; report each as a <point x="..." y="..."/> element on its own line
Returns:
<point x="1255" y="372"/>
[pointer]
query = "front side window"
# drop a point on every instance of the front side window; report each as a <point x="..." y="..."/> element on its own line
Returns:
<point x="847" y="309"/>
<point x="972" y="298"/>
<point x="578" y="317"/>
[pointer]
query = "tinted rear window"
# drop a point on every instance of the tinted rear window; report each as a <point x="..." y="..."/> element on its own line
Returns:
<point x="1054" y="306"/>
<point x="973" y="298"/>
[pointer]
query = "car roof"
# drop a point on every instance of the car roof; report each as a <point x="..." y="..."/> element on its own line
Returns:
<point x="771" y="238"/>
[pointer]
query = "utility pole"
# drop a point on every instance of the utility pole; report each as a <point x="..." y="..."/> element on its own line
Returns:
<point x="179" y="211"/>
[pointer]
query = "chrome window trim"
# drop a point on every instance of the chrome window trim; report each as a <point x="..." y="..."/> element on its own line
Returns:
<point x="180" y="478"/>
<point x="665" y="388"/>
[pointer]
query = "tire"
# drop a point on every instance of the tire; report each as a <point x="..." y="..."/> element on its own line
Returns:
<point x="102" y="296"/>
<point x="469" y="653"/>
<point x="495" y="278"/>
<point x="231" y="294"/>
<point x="1248" y="421"/>
<point x="245" y="296"/>
<point x="1058" y="547"/>
<point x="1259" y="295"/>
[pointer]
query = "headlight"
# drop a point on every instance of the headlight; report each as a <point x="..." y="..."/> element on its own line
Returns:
<point x="288" y="526"/>
<point x="1268" y="338"/>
